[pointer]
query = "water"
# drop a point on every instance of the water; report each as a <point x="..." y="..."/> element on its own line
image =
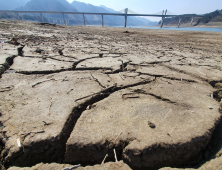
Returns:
<point x="183" y="28"/>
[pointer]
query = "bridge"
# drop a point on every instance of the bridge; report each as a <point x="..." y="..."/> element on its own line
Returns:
<point x="125" y="12"/>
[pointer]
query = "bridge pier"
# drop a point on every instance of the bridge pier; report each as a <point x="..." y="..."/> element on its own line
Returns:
<point x="64" y="19"/>
<point x="126" y="11"/>
<point x="180" y="18"/>
<point x="191" y="21"/>
<point x="84" y="19"/>
<point x="102" y="21"/>
<point x="17" y="15"/>
<point x="42" y="17"/>
<point x="163" y="16"/>
<point x="161" y="24"/>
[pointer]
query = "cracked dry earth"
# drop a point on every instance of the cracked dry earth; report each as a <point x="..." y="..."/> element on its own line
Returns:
<point x="72" y="95"/>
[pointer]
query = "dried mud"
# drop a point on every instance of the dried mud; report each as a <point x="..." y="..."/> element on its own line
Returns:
<point x="76" y="95"/>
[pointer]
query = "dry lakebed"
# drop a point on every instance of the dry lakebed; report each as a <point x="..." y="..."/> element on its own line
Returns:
<point x="75" y="97"/>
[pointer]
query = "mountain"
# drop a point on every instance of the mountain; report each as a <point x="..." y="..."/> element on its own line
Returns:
<point x="67" y="5"/>
<point x="53" y="5"/>
<point x="12" y="4"/>
<point x="144" y="20"/>
<point x="108" y="9"/>
<point x="109" y="20"/>
<point x="47" y="5"/>
<point x="64" y="6"/>
<point x="83" y="7"/>
<point x="215" y="16"/>
<point x="212" y="17"/>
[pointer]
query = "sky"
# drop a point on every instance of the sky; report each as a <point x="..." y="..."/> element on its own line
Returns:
<point x="155" y="6"/>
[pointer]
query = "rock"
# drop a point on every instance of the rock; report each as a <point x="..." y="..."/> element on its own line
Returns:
<point x="151" y="125"/>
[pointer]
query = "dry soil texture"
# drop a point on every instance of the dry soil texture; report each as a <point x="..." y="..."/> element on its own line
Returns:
<point x="77" y="95"/>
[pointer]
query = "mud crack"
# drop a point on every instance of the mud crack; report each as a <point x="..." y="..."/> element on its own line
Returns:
<point x="9" y="61"/>
<point x="96" y="80"/>
<point x="184" y="72"/>
<point x="54" y="149"/>
<point x="156" y="96"/>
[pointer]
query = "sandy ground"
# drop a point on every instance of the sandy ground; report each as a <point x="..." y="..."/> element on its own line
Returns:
<point x="76" y="95"/>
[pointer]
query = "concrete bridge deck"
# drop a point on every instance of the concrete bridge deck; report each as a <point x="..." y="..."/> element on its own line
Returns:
<point x="102" y="14"/>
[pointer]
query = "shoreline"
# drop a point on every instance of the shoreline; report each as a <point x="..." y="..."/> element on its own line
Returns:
<point x="208" y="25"/>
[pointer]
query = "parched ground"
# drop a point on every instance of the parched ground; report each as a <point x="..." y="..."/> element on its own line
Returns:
<point x="73" y="95"/>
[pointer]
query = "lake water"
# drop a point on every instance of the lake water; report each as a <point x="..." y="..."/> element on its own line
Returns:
<point x="183" y="28"/>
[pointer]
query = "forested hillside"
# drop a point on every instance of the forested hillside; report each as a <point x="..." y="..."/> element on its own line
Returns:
<point x="215" y="16"/>
<point x="109" y="20"/>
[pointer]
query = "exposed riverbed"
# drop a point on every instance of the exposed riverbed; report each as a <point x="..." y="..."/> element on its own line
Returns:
<point x="76" y="95"/>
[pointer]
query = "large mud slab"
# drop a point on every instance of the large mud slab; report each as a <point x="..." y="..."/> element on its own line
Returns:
<point x="156" y="127"/>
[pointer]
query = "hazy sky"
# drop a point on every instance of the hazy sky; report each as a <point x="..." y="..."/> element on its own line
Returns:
<point x="154" y="6"/>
